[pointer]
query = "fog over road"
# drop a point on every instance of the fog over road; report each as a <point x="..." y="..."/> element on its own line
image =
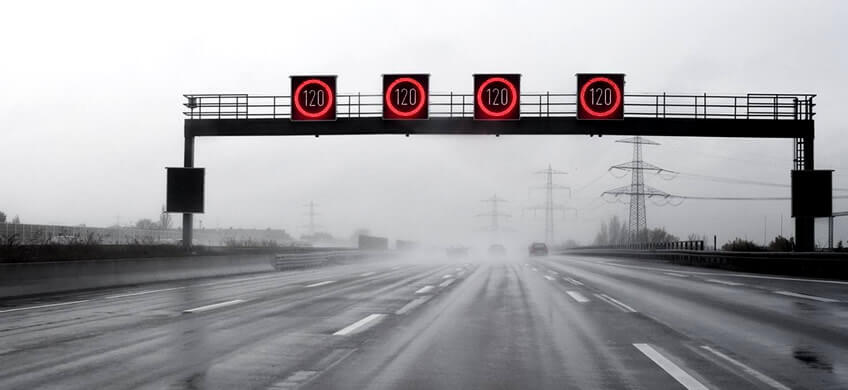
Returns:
<point x="511" y="323"/>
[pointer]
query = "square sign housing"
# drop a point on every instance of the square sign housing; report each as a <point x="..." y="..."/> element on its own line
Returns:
<point x="600" y="96"/>
<point x="185" y="190"/>
<point x="313" y="98"/>
<point x="406" y="96"/>
<point x="497" y="97"/>
<point x="812" y="193"/>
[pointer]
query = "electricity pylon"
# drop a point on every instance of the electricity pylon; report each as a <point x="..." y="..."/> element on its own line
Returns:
<point x="550" y="206"/>
<point x="495" y="214"/>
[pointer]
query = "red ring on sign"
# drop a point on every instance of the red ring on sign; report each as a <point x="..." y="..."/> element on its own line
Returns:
<point x="418" y="107"/>
<point x="615" y="105"/>
<point x="308" y="114"/>
<point x="512" y="92"/>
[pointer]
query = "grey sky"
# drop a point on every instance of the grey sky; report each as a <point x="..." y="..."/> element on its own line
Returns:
<point x="91" y="114"/>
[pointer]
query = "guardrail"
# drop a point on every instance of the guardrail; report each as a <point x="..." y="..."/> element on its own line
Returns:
<point x="288" y="261"/>
<point x="695" y="245"/>
<point x="461" y="105"/>
<point x="813" y="264"/>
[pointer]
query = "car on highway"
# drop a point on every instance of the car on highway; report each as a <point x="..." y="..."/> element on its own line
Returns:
<point x="457" y="251"/>
<point x="538" y="249"/>
<point x="497" y="250"/>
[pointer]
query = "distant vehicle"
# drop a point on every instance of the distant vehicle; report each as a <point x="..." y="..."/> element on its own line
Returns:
<point x="497" y="250"/>
<point x="457" y="251"/>
<point x="538" y="249"/>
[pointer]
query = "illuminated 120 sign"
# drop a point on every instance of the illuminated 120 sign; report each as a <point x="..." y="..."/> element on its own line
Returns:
<point x="313" y="98"/>
<point x="496" y="96"/>
<point x="405" y="96"/>
<point x="600" y="96"/>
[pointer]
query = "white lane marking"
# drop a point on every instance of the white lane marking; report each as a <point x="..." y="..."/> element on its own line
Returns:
<point x="142" y="293"/>
<point x="43" y="306"/>
<point x="573" y="281"/>
<point x="616" y="303"/>
<point x="732" y="275"/>
<point x="577" y="296"/>
<point x="460" y="273"/>
<point x="395" y="268"/>
<point x="756" y="374"/>
<point x="725" y="282"/>
<point x="424" y="290"/>
<point x="550" y="277"/>
<point x="672" y="369"/>
<point x="447" y="276"/>
<point x="676" y="274"/>
<point x="370" y="320"/>
<point x="213" y="306"/>
<point x="446" y="283"/>
<point x="458" y="269"/>
<point x="534" y="269"/>
<point x="412" y="305"/>
<point x="368" y="274"/>
<point x="294" y="380"/>
<point x="324" y="283"/>
<point x="555" y="273"/>
<point x="805" y="296"/>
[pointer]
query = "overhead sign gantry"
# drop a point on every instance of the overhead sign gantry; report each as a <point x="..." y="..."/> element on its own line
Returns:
<point x="497" y="105"/>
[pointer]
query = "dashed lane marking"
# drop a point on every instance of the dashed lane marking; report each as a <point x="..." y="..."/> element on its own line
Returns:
<point x="446" y="283"/>
<point x="412" y="305"/>
<point x="577" y="296"/>
<point x="573" y="281"/>
<point x="324" y="283"/>
<point x="370" y="320"/>
<point x="669" y="367"/>
<point x="368" y="274"/>
<point x="725" y="282"/>
<point x="424" y="290"/>
<point x="551" y="278"/>
<point x="213" y="306"/>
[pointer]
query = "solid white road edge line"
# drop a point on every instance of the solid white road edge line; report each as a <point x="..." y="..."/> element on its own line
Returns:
<point x="672" y="369"/>
<point x="43" y="306"/>
<point x="359" y="324"/>
<point x="805" y="296"/>
<point x="756" y="374"/>
<point x="142" y="293"/>
<point x="725" y="282"/>
<point x="213" y="306"/>
<point x="616" y="303"/>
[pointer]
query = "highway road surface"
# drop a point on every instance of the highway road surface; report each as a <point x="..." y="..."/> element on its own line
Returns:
<point x="555" y="322"/>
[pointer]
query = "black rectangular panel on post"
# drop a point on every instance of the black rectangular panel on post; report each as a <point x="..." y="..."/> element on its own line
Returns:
<point x="497" y="97"/>
<point x="406" y="96"/>
<point x="185" y="190"/>
<point x="600" y="96"/>
<point x="313" y="98"/>
<point x="812" y="193"/>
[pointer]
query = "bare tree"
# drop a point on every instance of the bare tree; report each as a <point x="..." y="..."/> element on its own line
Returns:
<point x="2" y="217"/>
<point x="164" y="219"/>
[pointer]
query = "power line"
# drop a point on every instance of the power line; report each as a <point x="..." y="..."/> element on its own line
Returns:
<point x="495" y="214"/>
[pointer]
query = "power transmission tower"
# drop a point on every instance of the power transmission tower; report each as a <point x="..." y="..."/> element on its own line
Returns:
<point x="550" y="206"/>
<point x="311" y="214"/>
<point x="495" y="214"/>
<point x="637" y="191"/>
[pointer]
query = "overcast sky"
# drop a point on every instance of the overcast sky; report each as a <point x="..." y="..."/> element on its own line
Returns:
<point x="90" y="113"/>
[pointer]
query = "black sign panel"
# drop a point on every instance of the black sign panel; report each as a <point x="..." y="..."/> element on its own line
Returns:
<point x="313" y="98"/>
<point x="185" y="190"/>
<point x="405" y="96"/>
<point x="600" y="96"/>
<point x="812" y="193"/>
<point x="497" y="96"/>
